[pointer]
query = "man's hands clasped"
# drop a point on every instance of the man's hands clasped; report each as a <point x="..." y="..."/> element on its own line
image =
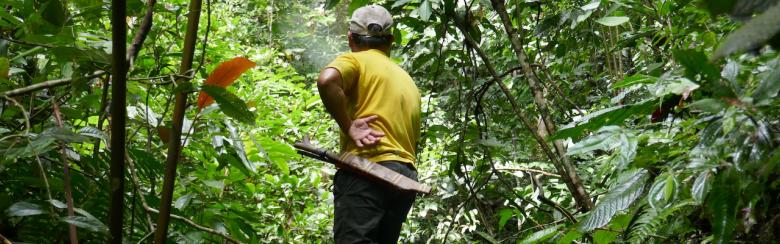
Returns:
<point x="362" y="134"/>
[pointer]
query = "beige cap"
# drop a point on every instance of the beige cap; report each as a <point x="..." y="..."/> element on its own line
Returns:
<point x="364" y="17"/>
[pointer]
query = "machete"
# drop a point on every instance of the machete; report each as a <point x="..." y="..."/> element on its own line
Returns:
<point x="361" y="166"/>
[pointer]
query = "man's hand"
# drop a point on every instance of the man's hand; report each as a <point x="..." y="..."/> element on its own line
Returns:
<point x="362" y="134"/>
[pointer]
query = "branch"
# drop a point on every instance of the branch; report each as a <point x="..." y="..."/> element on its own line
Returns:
<point x="143" y="32"/>
<point x="47" y="84"/>
<point x="66" y="177"/>
<point x="542" y="172"/>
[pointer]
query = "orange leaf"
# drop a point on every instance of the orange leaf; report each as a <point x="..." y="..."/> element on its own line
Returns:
<point x="225" y="74"/>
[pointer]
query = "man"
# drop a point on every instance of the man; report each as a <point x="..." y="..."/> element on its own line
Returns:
<point x="377" y="107"/>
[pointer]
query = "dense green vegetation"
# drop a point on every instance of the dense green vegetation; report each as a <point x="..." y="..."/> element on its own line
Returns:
<point x="544" y="121"/>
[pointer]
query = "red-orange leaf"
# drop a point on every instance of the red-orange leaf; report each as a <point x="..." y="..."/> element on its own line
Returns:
<point x="225" y="74"/>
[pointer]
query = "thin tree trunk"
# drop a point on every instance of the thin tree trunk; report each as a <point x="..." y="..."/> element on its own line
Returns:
<point x="66" y="177"/>
<point x="174" y="146"/>
<point x="118" y="118"/>
<point x="570" y="175"/>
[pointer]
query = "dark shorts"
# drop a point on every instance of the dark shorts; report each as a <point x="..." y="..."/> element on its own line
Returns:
<point x="368" y="211"/>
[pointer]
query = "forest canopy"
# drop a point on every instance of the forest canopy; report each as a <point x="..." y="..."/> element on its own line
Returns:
<point x="570" y="121"/>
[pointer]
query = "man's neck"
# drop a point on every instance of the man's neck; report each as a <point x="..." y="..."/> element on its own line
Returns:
<point x="386" y="51"/>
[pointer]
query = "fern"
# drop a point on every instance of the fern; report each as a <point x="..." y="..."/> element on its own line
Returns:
<point x="650" y="220"/>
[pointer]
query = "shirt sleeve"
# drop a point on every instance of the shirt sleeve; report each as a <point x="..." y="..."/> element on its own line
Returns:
<point x="347" y="65"/>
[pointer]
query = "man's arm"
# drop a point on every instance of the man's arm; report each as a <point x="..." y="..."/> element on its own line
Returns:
<point x="332" y="95"/>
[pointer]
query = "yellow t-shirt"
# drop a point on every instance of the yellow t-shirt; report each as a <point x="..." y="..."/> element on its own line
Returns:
<point x="375" y="85"/>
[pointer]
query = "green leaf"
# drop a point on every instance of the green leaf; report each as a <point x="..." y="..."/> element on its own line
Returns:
<point x="613" y="20"/>
<point x="329" y="4"/>
<point x="717" y="7"/>
<point x="662" y="190"/>
<point x="399" y="3"/>
<point x="230" y="104"/>
<point x="487" y="237"/>
<point x="504" y="216"/>
<point x="424" y="10"/>
<point x="570" y="237"/>
<point x="769" y="87"/>
<point x="635" y="79"/>
<point x="182" y="201"/>
<point x="355" y="4"/>
<point x="679" y="86"/>
<point x="610" y="116"/>
<point x="604" y="139"/>
<point x="603" y="236"/>
<point x="701" y="187"/>
<point x="238" y="146"/>
<point x="708" y="105"/>
<point x="278" y="153"/>
<point x="57" y="203"/>
<point x="723" y="206"/>
<point x="753" y="34"/>
<point x="54" y="13"/>
<point x="87" y="222"/>
<point x="540" y="236"/>
<point x="591" y="6"/>
<point x="21" y="209"/>
<point x="608" y="138"/>
<point x="94" y="133"/>
<point x="730" y="71"/>
<point x="629" y="187"/>
<point x="695" y="62"/>
<point x="218" y="184"/>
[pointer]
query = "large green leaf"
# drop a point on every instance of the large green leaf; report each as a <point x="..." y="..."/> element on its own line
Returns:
<point x="701" y="186"/>
<point x="87" y="222"/>
<point x="504" y="216"/>
<point x="722" y="205"/>
<point x="696" y="63"/>
<point x="238" y="145"/>
<point x="612" y="20"/>
<point x="610" y="116"/>
<point x="21" y="209"/>
<point x="753" y="34"/>
<point x="635" y="79"/>
<point x="769" y="86"/>
<point x="278" y="153"/>
<point x="355" y="4"/>
<point x="604" y="139"/>
<point x="230" y="104"/>
<point x="628" y="187"/>
<point x="540" y="236"/>
<point x="329" y="4"/>
<point x="424" y="10"/>
<point x="662" y="191"/>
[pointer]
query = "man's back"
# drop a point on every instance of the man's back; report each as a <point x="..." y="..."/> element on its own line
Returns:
<point x="375" y="85"/>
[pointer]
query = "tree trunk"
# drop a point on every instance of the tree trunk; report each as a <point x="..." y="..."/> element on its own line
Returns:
<point x="174" y="146"/>
<point x="118" y="118"/>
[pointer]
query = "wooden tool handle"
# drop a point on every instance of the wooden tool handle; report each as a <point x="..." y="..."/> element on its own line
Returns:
<point x="362" y="166"/>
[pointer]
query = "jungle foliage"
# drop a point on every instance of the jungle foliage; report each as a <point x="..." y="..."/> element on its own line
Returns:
<point x="544" y="121"/>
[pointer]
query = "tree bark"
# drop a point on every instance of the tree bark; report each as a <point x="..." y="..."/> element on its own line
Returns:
<point x="174" y="146"/>
<point x="570" y="174"/>
<point x="118" y="118"/>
